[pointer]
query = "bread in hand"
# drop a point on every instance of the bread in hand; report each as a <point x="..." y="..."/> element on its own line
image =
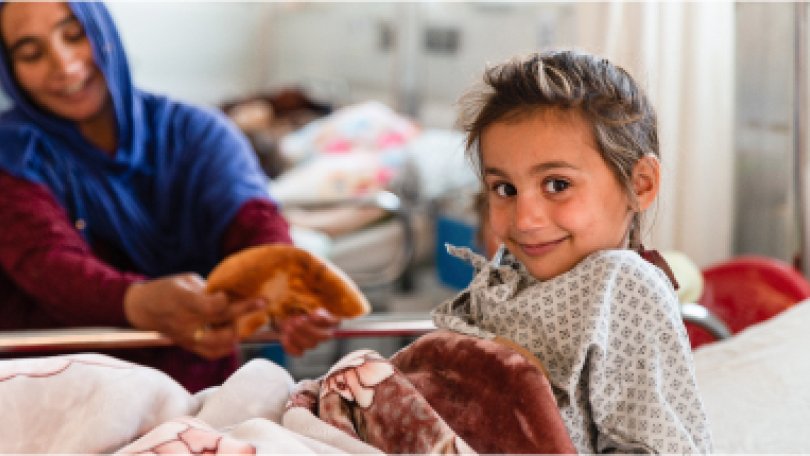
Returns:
<point x="292" y="281"/>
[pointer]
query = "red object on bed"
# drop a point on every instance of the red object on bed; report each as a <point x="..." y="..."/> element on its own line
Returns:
<point x="497" y="402"/>
<point x="747" y="290"/>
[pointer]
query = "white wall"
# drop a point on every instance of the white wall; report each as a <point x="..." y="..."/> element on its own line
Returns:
<point x="335" y="47"/>
<point x="332" y="49"/>
<point x="200" y="52"/>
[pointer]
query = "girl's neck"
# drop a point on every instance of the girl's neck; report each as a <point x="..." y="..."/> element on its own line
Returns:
<point x="101" y="130"/>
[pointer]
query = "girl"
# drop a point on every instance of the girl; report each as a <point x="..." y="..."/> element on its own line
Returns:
<point x="567" y="149"/>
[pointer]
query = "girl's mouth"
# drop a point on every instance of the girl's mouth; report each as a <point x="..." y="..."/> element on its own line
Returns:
<point x="541" y="248"/>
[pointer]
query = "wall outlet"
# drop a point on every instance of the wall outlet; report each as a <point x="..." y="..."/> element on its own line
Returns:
<point x="442" y="39"/>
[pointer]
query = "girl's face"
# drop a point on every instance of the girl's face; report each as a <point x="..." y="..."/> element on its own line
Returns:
<point x="552" y="198"/>
<point x="52" y="59"/>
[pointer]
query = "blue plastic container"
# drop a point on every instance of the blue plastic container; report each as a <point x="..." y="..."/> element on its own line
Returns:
<point x="453" y="272"/>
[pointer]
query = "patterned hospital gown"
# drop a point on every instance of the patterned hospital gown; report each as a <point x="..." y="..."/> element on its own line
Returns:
<point x="610" y="335"/>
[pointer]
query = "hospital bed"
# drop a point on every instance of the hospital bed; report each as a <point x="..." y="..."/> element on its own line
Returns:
<point x="754" y="384"/>
<point x="357" y="184"/>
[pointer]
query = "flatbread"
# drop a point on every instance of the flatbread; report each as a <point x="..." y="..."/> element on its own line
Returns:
<point x="292" y="281"/>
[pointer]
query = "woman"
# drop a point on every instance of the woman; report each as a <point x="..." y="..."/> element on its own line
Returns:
<point x="116" y="202"/>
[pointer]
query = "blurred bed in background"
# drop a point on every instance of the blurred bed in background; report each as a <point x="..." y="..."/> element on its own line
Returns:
<point x="360" y="185"/>
<point x="369" y="189"/>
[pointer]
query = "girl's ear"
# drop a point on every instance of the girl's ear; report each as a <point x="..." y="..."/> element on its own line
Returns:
<point x="646" y="180"/>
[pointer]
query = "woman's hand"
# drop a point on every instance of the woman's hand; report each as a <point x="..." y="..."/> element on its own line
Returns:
<point x="302" y="332"/>
<point x="178" y="307"/>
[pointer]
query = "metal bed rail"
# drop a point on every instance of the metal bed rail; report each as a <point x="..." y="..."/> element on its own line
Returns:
<point x="101" y="338"/>
<point x="375" y="325"/>
<point x="703" y="317"/>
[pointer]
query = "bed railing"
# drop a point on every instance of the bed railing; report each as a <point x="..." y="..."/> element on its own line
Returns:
<point x="703" y="317"/>
<point x="97" y="338"/>
<point x="375" y="325"/>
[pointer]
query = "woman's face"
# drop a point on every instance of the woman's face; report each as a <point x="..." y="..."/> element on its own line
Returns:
<point x="52" y="59"/>
<point x="552" y="198"/>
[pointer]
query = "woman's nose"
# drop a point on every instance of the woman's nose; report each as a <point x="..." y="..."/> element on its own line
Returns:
<point x="64" y="60"/>
<point x="530" y="214"/>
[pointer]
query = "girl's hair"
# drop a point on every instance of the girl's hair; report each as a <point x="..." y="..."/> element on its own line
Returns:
<point x="624" y="122"/>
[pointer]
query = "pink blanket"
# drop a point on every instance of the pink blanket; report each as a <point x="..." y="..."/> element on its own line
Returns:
<point x="446" y="393"/>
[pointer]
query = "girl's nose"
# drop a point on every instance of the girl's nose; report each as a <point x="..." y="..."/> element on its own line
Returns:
<point x="530" y="213"/>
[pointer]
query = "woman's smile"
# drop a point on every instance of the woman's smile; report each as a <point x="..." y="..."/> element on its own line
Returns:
<point x="73" y="90"/>
<point x="87" y="89"/>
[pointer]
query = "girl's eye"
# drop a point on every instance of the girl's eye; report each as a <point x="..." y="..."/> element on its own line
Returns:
<point x="505" y="190"/>
<point x="556" y="185"/>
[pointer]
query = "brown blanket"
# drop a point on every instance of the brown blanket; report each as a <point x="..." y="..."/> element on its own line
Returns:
<point x="445" y="393"/>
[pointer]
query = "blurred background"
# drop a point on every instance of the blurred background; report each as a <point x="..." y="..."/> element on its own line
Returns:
<point x="721" y="76"/>
<point x="351" y="109"/>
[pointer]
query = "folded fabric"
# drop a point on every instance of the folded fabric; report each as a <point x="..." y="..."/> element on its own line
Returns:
<point x="364" y="396"/>
<point x="495" y="397"/>
<point x="84" y="403"/>
<point x="446" y="393"/>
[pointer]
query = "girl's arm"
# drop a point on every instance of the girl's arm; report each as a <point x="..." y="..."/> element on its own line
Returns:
<point x="46" y="257"/>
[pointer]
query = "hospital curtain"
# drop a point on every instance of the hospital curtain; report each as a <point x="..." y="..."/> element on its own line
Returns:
<point x="683" y="54"/>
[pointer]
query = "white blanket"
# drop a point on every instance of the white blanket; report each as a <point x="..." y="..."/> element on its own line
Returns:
<point x="756" y="386"/>
<point x="90" y="403"/>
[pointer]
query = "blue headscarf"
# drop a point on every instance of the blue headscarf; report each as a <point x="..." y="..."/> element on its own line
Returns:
<point x="178" y="177"/>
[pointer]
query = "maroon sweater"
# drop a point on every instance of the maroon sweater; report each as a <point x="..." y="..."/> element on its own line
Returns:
<point x="50" y="277"/>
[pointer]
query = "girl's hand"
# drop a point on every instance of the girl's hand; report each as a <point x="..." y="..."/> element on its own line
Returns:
<point x="178" y="307"/>
<point x="302" y="332"/>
